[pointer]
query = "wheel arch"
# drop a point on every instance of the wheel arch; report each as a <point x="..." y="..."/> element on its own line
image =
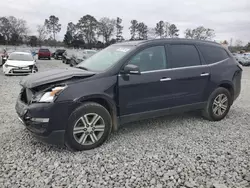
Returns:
<point x="229" y="86"/>
<point x="107" y="103"/>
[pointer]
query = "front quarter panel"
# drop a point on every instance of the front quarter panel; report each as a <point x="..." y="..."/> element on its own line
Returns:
<point x="79" y="91"/>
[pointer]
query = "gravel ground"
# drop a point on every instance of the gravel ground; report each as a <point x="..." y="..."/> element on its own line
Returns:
<point x="174" y="151"/>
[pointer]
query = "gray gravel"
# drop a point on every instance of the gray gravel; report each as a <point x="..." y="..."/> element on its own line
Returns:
<point x="174" y="151"/>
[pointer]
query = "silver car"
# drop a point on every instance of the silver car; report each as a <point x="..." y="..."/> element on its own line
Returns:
<point x="242" y="59"/>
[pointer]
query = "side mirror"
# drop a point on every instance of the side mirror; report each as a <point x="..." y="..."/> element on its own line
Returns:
<point x="131" y="69"/>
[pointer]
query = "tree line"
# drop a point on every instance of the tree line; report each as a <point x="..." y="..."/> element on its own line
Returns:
<point x="89" y="32"/>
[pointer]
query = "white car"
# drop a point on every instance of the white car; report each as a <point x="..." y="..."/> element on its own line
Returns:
<point x="19" y="63"/>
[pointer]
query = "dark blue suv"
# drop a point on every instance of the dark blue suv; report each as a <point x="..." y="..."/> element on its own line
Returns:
<point x="126" y="82"/>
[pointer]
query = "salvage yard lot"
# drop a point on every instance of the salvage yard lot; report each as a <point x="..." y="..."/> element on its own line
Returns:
<point x="172" y="151"/>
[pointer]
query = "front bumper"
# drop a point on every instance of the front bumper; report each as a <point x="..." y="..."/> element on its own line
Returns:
<point x="17" y="70"/>
<point x="46" y="121"/>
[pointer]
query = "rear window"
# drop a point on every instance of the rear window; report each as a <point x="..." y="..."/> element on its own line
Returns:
<point x="184" y="56"/>
<point x="43" y="50"/>
<point x="60" y="51"/>
<point x="213" y="54"/>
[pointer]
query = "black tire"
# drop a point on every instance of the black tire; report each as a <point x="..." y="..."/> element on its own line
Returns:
<point x="36" y="69"/>
<point x="208" y="113"/>
<point x="39" y="58"/>
<point x="49" y="58"/>
<point x="86" y="108"/>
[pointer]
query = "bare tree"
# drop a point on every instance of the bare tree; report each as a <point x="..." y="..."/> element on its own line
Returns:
<point x="238" y="43"/>
<point x="106" y="28"/>
<point x="19" y="26"/>
<point x="42" y="33"/>
<point x="151" y="33"/>
<point x="13" y="29"/>
<point x="200" y="33"/>
<point x="5" y="28"/>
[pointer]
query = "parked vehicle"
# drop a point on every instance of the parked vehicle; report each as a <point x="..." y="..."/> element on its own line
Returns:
<point x="58" y="53"/>
<point x="4" y="56"/>
<point x="125" y="82"/>
<point x="243" y="60"/>
<point x="88" y="53"/>
<point x="67" y="55"/>
<point x="20" y="63"/>
<point x="76" y="59"/>
<point x="44" y="53"/>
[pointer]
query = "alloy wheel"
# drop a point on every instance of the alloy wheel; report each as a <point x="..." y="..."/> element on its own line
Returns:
<point x="88" y="129"/>
<point x="220" y="105"/>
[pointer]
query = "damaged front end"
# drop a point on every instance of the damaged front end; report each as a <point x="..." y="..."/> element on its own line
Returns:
<point x="37" y="108"/>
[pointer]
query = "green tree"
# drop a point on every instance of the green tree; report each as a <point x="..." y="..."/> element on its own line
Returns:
<point x="119" y="29"/>
<point x="68" y="38"/>
<point x="142" y="30"/>
<point x="173" y="31"/>
<point x="33" y="41"/>
<point x="87" y="26"/>
<point x="133" y="29"/>
<point x="248" y="46"/>
<point x="72" y="29"/>
<point x="52" y="25"/>
<point x="106" y="28"/>
<point x="159" y="29"/>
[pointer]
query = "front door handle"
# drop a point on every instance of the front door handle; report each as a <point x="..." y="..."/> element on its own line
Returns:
<point x="165" y="79"/>
<point x="205" y="74"/>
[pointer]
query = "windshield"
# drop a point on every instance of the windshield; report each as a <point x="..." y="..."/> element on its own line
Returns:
<point x="106" y="58"/>
<point x="20" y="57"/>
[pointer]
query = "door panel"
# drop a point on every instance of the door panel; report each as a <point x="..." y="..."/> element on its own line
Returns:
<point x="162" y="89"/>
<point x="139" y="93"/>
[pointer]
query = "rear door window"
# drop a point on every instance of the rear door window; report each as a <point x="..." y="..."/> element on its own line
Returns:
<point x="213" y="54"/>
<point x="183" y="55"/>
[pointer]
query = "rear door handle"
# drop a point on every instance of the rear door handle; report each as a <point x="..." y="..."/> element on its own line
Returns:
<point x="205" y="74"/>
<point x="165" y="79"/>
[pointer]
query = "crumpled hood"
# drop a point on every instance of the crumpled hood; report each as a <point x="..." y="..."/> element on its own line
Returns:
<point x="53" y="75"/>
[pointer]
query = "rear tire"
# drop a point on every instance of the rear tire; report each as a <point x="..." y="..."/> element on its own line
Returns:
<point x="49" y="58"/>
<point x="89" y="126"/>
<point x="218" y="105"/>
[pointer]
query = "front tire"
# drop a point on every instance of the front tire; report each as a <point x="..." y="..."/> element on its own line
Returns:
<point x="89" y="126"/>
<point x="218" y="105"/>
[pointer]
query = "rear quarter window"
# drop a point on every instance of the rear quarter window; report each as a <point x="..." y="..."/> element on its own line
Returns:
<point x="213" y="54"/>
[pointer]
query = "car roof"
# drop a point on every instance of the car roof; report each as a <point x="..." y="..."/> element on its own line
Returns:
<point x="22" y="53"/>
<point x="168" y="40"/>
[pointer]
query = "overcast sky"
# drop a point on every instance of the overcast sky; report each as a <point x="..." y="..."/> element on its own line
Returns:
<point x="229" y="18"/>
